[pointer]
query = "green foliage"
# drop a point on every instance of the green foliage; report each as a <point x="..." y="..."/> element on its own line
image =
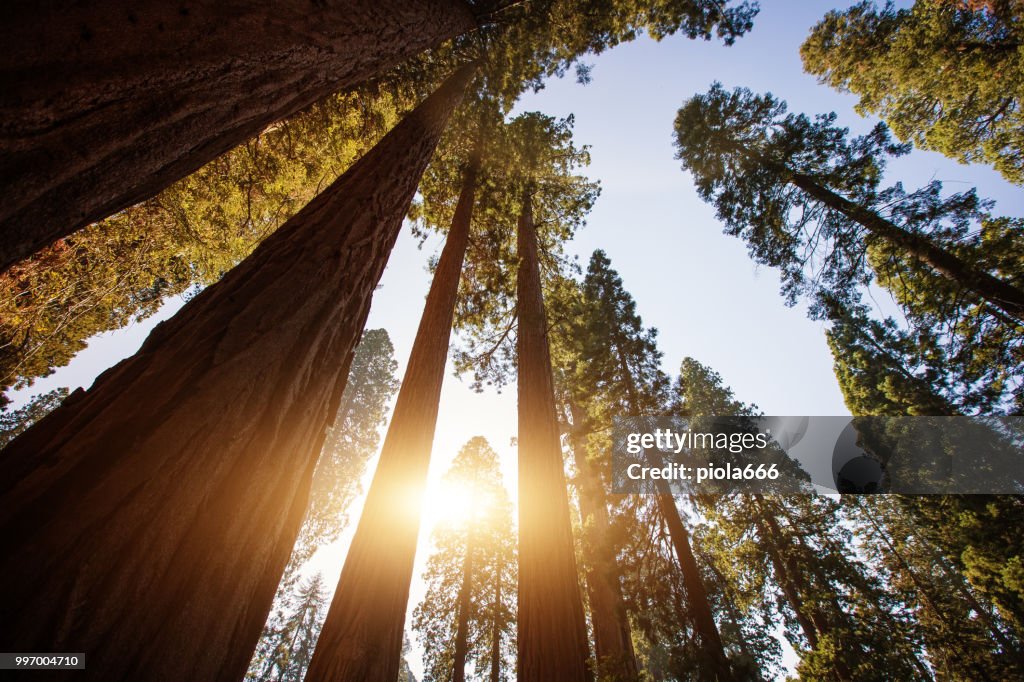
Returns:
<point x="957" y="623"/>
<point x="532" y="158"/>
<point x="14" y="422"/>
<point x="294" y="635"/>
<point x="485" y="531"/>
<point x="945" y="76"/>
<point x="122" y="269"/>
<point x="519" y="44"/>
<point x="747" y="156"/>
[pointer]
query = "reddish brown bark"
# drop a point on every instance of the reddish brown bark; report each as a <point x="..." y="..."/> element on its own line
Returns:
<point x="613" y="640"/>
<point x="362" y="635"/>
<point x="147" y="521"/>
<point x="105" y="103"/>
<point x="552" y="630"/>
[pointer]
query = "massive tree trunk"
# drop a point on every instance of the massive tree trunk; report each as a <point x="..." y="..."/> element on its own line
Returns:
<point x="106" y="103"/>
<point x="613" y="641"/>
<point x="552" y="628"/>
<point x="362" y="635"/>
<point x="146" y="522"/>
<point x="464" y="604"/>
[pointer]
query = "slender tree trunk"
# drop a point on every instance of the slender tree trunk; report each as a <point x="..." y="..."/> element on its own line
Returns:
<point x="148" y="520"/>
<point x="496" y="624"/>
<point x="924" y="592"/>
<point x="462" y="626"/>
<point x="997" y="292"/>
<point x="734" y="617"/>
<point x="613" y="640"/>
<point x="362" y="636"/>
<point x="697" y="602"/>
<point x="717" y="667"/>
<point x="105" y="103"/>
<point x="552" y="628"/>
<point x="812" y="621"/>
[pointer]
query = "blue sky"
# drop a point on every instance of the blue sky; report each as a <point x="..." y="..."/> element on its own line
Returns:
<point x="696" y="285"/>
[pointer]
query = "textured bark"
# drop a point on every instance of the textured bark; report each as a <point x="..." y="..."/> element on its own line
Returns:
<point x="613" y="641"/>
<point x="552" y="631"/>
<point x="462" y="625"/>
<point x="105" y="103"/>
<point x="362" y="636"/>
<point x="147" y="521"/>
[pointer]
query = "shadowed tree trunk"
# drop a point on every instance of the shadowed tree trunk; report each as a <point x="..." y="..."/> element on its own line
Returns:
<point x="106" y="103"/>
<point x="552" y="631"/>
<point x="362" y="636"/>
<point x="613" y="641"/>
<point x="792" y="579"/>
<point x="716" y="664"/>
<point x="148" y="520"/>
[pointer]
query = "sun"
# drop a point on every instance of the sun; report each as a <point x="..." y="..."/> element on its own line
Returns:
<point x="454" y="502"/>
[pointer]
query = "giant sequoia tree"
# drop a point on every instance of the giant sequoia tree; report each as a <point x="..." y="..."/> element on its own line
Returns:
<point x="104" y="106"/>
<point x="149" y="519"/>
<point x="362" y="636"/>
<point x="947" y="75"/>
<point x="123" y="268"/>
<point x="552" y="634"/>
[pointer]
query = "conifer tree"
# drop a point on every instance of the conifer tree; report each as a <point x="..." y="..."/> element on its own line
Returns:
<point x="362" y="636"/>
<point x="292" y="639"/>
<point x="947" y="76"/>
<point x="468" y="613"/>
<point x="168" y="517"/>
<point x="798" y="190"/>
<point x="144" y="96"/>
<point x="552" y="636"/>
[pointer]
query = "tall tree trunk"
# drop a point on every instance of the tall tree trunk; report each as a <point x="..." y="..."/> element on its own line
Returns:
<point x="362" y="635"/>
<point x="791" y="579"/>
<point x="104" y="103"/>
<point x="997" y="292"/>
<point x="717" y="664"/>
<point x="552" y="628"/>
<point x="613" y="640"/>
<point x="496" y="624"/>
<point x="148" y="520"/>
<point x="734" y="617"/>
<point x="462" y="625"/>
